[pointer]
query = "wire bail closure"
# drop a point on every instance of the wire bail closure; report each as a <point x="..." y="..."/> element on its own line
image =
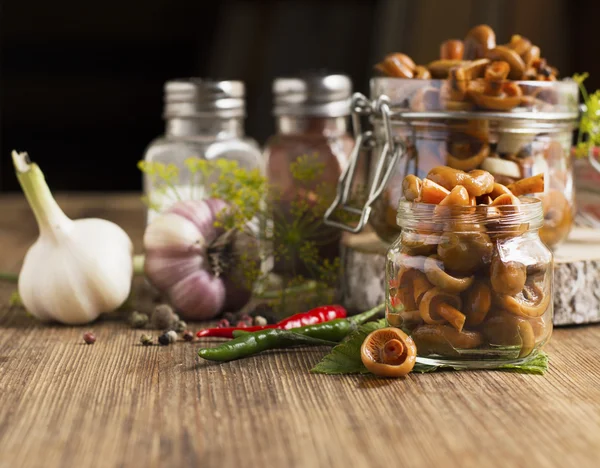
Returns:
<point x="390" y="153"/>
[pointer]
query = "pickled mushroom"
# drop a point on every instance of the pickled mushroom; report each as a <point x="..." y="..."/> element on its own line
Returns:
<point x="429" y="306"/>
<point x="464" y="252"/>
<point x="477" y="301"/>
<point x="444" y="340"/>
<point x="531" y="302"/>
<point x="432" y="192"/>
<point x="527" y="186"/>
<point x="510" y="330"/>
<point x="504" y="54"/>
<point x="388" y="352"/>
<point x="507" y="277"/>
<point x="443" y="280"/>
<point x="471" y="162"/>
<point x="478" y="41"/>
<point x="476" y="182"/>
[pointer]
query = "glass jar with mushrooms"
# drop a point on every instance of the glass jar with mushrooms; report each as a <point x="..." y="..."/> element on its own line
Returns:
<point x="469" y="277"/>
<point x="498" y="108"/>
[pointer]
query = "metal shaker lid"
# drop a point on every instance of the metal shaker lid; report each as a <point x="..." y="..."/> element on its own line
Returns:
<point x="197" y="97"/>
<point x="318" y="95"/>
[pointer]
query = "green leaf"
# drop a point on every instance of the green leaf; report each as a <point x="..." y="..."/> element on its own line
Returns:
<point x="537" y="364"/>
<point x="345" y="357"/>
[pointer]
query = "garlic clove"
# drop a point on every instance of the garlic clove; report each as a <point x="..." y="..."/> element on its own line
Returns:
<point x="174" y="234"/>
<point x="202" y="216"/>
<point x="201" y="295"/>
<point x="167" y="270"/>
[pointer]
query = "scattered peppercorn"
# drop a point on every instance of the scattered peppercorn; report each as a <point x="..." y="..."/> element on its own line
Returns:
<point x="162" y="317"/>
<point x="138" y="319"/>
<point x="146" y="340"/>
<point x="188" y="335"/>
<point x="172" y="335"/>
<point x="180" y="326"/>
<point x="164" y="339"/>
<point x="229" y="316"/>
<point x="89" y="338"/>
<point x="246" y="318"/>
<point x="223" y="323"/>
<point x="241" y="324"/>
<point x="260" y="320"/>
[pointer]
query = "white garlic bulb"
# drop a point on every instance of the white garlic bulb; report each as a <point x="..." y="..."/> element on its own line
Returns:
<point x="77" y="269"/>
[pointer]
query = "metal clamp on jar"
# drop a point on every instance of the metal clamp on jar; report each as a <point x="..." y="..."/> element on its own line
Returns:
<point x="419" y="124"/>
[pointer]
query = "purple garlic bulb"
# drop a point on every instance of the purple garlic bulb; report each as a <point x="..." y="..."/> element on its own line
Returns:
<point x="193" y="261"/>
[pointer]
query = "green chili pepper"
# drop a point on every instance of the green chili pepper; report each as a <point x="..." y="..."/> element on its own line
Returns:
<point x="322" y="334"/>
<point x="248" y="344"/>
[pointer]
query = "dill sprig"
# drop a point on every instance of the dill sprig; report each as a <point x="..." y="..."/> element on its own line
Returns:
<point x="295" y="234"/>
<point x="589" y="125"/>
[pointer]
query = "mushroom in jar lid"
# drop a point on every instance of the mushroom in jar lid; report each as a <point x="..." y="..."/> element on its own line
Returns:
<point x="478" y="41"/>
<point x="388" y="352"/>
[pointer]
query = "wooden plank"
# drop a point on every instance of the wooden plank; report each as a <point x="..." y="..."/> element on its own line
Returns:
<point x="64" y="403"/>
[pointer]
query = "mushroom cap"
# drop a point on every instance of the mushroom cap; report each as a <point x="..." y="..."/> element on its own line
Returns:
<point x="478" y="41"/>
<point x="397" y="65"/>
<point x="464" y="252"/>
<point x="505" y="54"/>
<point x="452" y="49"/>
<point x="441" y="68"/>
<point x="388" y="352"/>
<point x="507" y="277"/>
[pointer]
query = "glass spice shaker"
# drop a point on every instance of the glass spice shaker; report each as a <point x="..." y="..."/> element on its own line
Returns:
<point x="311" y="119"/>
<point x="204" y="119"/>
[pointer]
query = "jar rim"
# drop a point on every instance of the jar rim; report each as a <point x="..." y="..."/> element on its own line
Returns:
<point x="502" y="218"/>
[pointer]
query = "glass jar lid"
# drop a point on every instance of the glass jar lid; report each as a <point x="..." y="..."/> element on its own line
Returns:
<point x="316" y="95"/>
<point x="197" y="97"/>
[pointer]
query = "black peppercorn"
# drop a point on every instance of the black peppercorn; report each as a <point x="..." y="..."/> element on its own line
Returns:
<point x="188" y="335"/>
<point x="164" y="339"/>
<point x="230" y="317"/>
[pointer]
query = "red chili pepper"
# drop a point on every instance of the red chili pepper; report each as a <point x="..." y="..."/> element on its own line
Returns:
<point x="317" y="315"/>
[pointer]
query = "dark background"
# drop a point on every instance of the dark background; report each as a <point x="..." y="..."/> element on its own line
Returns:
<point x="81" y="82"/>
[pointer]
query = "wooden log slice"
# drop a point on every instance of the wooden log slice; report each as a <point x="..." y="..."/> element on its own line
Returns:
<point x="576" y="275"/>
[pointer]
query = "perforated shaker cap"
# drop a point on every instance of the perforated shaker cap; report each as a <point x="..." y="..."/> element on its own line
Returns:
<point x="197" y="97"/>
<point x="313" y="94"/>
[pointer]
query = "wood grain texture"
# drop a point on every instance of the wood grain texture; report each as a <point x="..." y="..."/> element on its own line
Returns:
<point x="118" y="404"/>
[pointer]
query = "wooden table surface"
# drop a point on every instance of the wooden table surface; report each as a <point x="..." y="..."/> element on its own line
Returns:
<point x="118" y="404"/>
